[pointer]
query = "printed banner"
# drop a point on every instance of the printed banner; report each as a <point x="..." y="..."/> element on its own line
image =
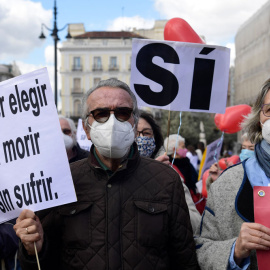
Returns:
<point x="34" y="168"/>
<point x="261" y="197"/>
<point x="212" y="152"/>
<point x="180" y="76"/>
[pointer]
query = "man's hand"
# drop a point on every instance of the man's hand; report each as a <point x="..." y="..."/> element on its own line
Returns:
<point x="214" y="171"/>
<point x="29" y="229"/>
<point x="164" y="158"/>
<point x="251" y="236"/>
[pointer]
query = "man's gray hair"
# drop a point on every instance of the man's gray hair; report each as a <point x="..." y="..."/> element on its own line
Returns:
<point x="72" y="126"/>
<point x="251" y="124"/>
<point x="112" y="83"/>
<point x="172" y="143"/>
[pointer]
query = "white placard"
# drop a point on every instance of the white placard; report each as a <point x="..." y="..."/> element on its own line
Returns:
<point x="180" y="76"/>
<point x="82" y="138"/>
<point x="34" y="168"/>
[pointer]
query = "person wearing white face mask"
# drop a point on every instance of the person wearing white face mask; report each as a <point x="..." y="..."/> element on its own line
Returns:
<point x="229" y="236"/>
<point x="74" y="151"/>
<point x="131" y="211"/>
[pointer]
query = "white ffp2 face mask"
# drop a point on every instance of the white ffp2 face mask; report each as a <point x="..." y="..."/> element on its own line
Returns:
<point x="112" y="138"/>
<point x="68" y="142"/>
<point x="266" y="130"/>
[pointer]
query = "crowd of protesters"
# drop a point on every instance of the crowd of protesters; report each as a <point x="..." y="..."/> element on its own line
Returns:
<point x="138" y="204"/>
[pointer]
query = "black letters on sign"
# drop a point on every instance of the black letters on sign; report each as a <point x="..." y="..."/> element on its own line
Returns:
<point x="157" y="74"/>
<point x="202" y="81"/>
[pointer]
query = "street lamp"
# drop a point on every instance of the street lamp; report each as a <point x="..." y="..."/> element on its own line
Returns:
<point x="54" y="34"/>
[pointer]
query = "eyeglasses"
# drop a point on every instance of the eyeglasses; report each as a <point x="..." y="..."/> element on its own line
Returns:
<point x="66" y="131"/>
<point x="266" y="110"/>
<point x="122" y="114"/>
<point x="146" y="132"/>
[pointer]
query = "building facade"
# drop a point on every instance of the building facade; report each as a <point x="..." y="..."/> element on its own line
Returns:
<point x="252" y="62"/>
<point x="89" y="57"/>
<point x="9" y="71"/>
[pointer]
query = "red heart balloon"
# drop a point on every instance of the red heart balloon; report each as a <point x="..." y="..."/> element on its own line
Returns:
<point x="177" y="29"/>
<point x="223" y="162"/>
<point x="230" y="121"/>
<point x="204" y="178"/>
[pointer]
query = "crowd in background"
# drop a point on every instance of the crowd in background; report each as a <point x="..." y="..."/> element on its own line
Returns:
<point x="227" y="250"/>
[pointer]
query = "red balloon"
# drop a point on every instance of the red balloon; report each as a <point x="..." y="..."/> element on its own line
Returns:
<point x="204" y="178"/>
<point x="223" y="162"/>
<point x="177" y="29"/>
<point x="230" y="121"/>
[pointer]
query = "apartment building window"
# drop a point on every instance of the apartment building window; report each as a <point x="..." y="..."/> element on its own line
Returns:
<point x="77" y="107"/>
<point x="77" y="64"/>
<point x="77" y="85"/>
<point x="96" y="81"/>
<point x="113" y="63"/>
<point x="97" y="63"/>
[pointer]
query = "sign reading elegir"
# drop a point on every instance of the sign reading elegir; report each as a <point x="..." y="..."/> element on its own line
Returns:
<point x="34" y="168"/>
<point x="180" y="76"/>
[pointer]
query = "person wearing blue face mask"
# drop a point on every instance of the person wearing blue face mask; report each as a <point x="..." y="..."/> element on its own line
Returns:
<point x="149" y="138"/>
<point x="150" y="144"/>
<point x="247" y="150"/>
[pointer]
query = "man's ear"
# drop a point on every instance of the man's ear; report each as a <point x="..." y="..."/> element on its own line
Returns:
<point x="86" y="130"/>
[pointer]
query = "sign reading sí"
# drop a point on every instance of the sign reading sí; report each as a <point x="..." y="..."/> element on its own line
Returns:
<point x="180" y="76"/>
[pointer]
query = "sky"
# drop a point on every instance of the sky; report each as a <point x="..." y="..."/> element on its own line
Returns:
<point x="20" y="23"/>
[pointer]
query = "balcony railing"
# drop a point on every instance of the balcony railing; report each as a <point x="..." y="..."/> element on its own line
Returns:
<point x="113" y="67"/>
<point x="77" y="91"/>
<point x="77" y="68"/>
<point x="97" y="68"/>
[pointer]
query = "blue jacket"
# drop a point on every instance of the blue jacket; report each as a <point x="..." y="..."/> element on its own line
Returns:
<point x="8" y="244"/>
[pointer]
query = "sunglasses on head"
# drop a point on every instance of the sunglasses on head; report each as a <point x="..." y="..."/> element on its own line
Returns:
<point x="122" y="114"/>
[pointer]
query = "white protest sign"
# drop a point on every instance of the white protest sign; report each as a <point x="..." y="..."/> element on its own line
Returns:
<point x="82" y="138"/>
<point x="180" y="76"/>
<point x="34" y="168"/>
<point x="212" y="152"/>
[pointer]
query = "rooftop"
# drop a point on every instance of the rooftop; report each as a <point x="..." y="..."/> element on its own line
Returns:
<point x="108" y="34"/>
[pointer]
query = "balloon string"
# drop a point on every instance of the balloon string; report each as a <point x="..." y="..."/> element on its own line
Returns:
<point x="168" y="129"/>
<point x="220" y="142"/>
<point x="37" y="255"/>
<point x="176" y="143"/>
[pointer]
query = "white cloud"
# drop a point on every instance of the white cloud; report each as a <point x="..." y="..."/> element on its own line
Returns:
<point x="217" y="20"/>
<point x="20" y="27"/>
<point x="128" y="23"/>
<point x="25" y="68"/>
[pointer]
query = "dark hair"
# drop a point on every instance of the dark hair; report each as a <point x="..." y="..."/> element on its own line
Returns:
<point x="156" y="130"/>
<point x="200" y="145"/>
<point x="191" y="149"/>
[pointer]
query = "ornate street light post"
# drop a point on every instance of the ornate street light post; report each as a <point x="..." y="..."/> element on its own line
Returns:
<point x="54" y="34"/>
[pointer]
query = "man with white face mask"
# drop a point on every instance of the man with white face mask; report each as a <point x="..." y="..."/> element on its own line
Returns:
<point x="131" y="211"/>
<point x="74" y="151"/>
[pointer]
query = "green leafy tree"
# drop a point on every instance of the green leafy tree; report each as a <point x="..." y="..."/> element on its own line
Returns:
<point x="190" y="127"/>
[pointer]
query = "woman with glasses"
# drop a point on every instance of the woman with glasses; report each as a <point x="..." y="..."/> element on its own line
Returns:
<point x="229" y="236"/>
<point x="149" y="138"/>
<point x="150" y="144"/>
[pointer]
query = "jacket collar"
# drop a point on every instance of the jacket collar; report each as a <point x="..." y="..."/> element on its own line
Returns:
<point x="244" y="199"/>
<point x="130" y="163"/>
